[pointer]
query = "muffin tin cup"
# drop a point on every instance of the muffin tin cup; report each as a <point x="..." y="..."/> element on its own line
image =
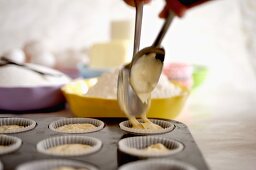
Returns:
<point x="49" y="164"/>
<point x="1" y="166"/>
<point x="12" y="144"/>
<point x="166" y="125"/>
<point x="133" y="145"/>
<point x="27" y="123"/>
<point x="43" y="145"/>
<point x="156" y="164"/>
<point x="98" y="123"/>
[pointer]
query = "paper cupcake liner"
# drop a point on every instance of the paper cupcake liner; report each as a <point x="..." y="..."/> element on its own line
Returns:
<point x="11" y="144"/>
<point x="43" y="145"/>
<point x="49" y="164"/>
<point x="27" y="123"/>
<point x="1" y="166"/>
<point x="166" y="125"/>
<point x="130" y="146"/>
<point x="156" y="164"/>
<point x="98" y="123"/>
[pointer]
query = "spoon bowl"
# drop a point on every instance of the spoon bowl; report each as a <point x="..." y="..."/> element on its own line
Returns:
<point x="128" y="100"/>
<point x="146" y="69"/>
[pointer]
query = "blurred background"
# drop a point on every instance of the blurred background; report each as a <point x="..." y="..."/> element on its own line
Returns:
<point x="220" y="35"/>
<point x="77" y="36"/>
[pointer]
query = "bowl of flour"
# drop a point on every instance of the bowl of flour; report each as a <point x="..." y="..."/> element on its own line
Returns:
<point x="22" y="89"/>
<point x="97" y="97"/>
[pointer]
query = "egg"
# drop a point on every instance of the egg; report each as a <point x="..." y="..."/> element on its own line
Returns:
<point x="44" y="58"/>
<point x="16" y="55"/>
<point x="34" y="48"/>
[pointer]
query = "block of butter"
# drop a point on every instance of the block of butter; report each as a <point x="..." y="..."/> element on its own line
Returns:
<point x="109" y="54"/>
<point x="121" y="29"/>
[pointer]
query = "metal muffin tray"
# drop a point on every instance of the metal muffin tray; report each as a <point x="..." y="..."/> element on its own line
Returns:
<point x="108" y="157"/>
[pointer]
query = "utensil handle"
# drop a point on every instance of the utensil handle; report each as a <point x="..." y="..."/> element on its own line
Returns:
<point x="163" y="30"/>
<point x="7" y="61"/>
<point x="138" y="23"/>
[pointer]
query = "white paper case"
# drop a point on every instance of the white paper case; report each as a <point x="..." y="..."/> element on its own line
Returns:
<point x="12" y="144"/>
<point x="166" y="125"/>
<point x="27" y="123"/>
<point x="43" y="145"/>
<point x="53" y="163"/>
<point x="98" y="123"/>
<point x="128" y="146"/>
<point x="157" y="164"/>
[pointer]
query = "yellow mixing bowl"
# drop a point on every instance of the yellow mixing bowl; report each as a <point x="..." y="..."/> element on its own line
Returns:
<point x="84" y="106"/>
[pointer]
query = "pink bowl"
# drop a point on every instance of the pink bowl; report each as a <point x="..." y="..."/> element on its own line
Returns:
<point x="30" y="98"/>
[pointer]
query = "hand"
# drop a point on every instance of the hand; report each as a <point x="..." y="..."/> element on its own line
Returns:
<point x="132" y="2"/>
<point x="179" y="7"/>
<point x="175" y="6"/>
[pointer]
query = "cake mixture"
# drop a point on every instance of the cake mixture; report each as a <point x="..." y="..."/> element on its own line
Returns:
<point x="69" y="149"/>
<point x="76" y="128"/>
<point x="9" y="128"/>
<point x="153" y="149"/>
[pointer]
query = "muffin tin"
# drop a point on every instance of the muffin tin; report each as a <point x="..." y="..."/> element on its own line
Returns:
<point x="109" y="157"/>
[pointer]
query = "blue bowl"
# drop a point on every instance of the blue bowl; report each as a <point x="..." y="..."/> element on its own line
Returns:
<point x="88" y="72"/>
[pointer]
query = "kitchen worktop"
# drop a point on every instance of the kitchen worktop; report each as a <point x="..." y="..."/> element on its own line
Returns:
<point x="222" y="124"/>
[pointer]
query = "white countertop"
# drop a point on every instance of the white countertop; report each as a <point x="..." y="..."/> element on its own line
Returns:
<point x="223" y="124"/>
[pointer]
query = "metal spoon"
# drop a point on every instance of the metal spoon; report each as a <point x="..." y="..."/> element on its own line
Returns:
<point x="5" y="61"/>
<point x="147" y="64"/>
<point x="128" y="100"/>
